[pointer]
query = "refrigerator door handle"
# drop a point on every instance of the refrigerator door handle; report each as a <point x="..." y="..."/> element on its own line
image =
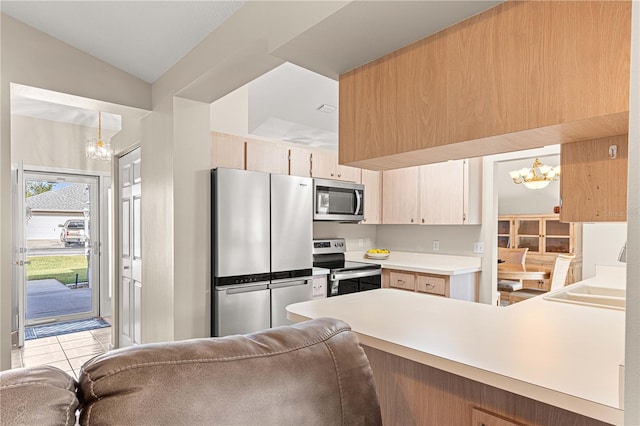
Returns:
<point x="290" y="283"/>
<point x="247" y="288"/>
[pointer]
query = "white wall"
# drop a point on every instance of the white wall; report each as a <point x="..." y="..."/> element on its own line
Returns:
<point x="352" y="233"/>
<point x="601" y="244"/>
<point x="32" y="58"/>
<point x="192" y="232"/>
<point x="517" y="198"/>
<point x="48" y="143"/>
<point x="453" y="239"/>
<point x="632" y="332"/>
<point x="230" y="114"/>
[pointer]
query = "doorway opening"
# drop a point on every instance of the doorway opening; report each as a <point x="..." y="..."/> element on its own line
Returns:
<point x="62" y="267"/>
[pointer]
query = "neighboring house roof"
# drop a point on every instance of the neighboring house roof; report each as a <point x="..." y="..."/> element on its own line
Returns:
<point x="70" y="198"/>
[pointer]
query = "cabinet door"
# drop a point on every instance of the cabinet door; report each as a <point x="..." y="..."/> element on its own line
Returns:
<point x="529" y="234"/>
<point x="267" y="157"/>
<point x="442" y="193"/>
<point x="323" y="164"/>
<point x="348" y="173"/>
<point x="406" y="281"/>
<point x="593" y="187"/>
<point x="227" y="151"/>
<point x="504" y="232"/>
<point x="557" y="236"/>
<point x="299" y="162"/>
<point x="400" y="195"/>
<point x="372" y="182"/>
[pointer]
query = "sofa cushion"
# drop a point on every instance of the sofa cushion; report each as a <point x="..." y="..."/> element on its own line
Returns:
<point x="312" y="373"/>
<point x="42" y="395"/>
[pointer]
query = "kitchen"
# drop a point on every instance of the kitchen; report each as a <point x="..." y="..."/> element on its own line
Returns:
<point x="185" y="296"/>
<point x="360" y="237"/>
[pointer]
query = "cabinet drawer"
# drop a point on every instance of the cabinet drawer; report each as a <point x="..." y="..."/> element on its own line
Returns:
<point x="402" y="280"/>
<point x="429" y="284"/>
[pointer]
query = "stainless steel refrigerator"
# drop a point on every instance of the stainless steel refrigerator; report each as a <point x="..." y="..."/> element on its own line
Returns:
<point x="262" y="233"/>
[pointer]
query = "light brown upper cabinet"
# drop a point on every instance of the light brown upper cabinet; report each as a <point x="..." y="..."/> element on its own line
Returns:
<point x="400" y="195"/>
<point x="372" y="182"/>
<point x="446" y="193"/>
<point x="593" y="180"/>
<point x="523" y="74"/>
<point x="324" y="164"/>
<point x="268" y="157"/>
<point x="299" y="162"/>
<point x="227" y="151"/>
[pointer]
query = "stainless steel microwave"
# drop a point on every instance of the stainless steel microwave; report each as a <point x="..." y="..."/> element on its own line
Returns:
<point x="337" y="200"/>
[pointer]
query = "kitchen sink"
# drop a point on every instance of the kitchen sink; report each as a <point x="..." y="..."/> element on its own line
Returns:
<point x="591" y="295"/>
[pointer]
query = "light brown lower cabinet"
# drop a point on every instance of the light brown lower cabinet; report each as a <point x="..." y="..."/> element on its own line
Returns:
<point x="463" y="287"/>
<point x="411" y="393"/>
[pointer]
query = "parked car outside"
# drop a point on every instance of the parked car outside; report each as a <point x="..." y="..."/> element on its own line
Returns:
<point x="73" y="233"/>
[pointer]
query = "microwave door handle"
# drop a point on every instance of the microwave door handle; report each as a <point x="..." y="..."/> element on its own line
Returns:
<point x="358" y="201"/>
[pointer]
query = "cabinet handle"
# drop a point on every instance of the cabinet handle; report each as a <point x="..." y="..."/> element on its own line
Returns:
<point x="423" y="220"/>
<point x="331" y="174"/>
<point x="339" y="175"/>
<point x="401" y="282"/>
<point x="411" y="220"/>
<point x="364" y="219"/>
<point x="430" y="285"/>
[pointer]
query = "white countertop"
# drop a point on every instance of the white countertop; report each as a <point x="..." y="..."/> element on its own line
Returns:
<point x="558" y="353"/>
<point x="441" y="264"/>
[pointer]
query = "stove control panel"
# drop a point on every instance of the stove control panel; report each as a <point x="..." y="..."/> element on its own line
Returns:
<point x="328" y="246"/>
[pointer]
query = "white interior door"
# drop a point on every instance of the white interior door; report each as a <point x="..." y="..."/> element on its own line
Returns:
<point x="130" y="254"/>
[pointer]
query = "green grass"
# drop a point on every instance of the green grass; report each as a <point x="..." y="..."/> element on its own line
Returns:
<point x="61" y="268"/>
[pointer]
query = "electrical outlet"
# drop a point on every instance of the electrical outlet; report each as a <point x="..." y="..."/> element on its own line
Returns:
<point x="478" y="247"/>
<point x="436" y="245"/>
<point x="360" y="243"/>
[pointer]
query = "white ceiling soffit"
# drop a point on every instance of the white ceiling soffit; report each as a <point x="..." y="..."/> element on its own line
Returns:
<point x="34" y="108"/>
<point x="45" y="104"/>
<point x="283" y="104"/>
<point x="363" y="31"/>
<point x="142" y="38"/>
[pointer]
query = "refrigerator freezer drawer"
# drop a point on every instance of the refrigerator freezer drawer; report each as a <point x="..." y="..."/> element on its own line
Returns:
<point x="286" y="293"/>
<point x="241" y="309"/>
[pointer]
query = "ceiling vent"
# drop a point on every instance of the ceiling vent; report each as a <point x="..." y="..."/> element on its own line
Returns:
<point x="326" y="108"/>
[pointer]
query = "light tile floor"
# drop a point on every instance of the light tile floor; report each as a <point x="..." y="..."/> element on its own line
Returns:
<point x="67" y="352"/>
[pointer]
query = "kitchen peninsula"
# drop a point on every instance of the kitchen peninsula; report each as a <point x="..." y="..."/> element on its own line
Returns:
<point x="443" y="361"/>
<point x="444" y="275"/>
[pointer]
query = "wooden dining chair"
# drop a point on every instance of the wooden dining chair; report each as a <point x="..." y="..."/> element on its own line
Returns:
<point x="559" y="274"/>
<point x="510" y="256"/>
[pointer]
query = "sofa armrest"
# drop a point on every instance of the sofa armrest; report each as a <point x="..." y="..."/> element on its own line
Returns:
<point x="312" y="373"/>
<point x="42" y="395"/>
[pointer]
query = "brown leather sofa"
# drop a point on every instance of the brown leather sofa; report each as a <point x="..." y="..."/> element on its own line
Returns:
<point x="312" y="373"/>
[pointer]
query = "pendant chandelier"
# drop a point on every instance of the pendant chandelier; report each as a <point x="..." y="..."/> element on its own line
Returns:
<point x="96" y="148"/>
<point x="536" y="177"/>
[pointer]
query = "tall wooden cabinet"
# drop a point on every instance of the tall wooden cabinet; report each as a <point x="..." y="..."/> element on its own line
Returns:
<point x="545" y="237"/>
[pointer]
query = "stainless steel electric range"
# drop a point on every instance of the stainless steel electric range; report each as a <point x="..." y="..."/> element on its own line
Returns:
<point x="344" y="276"/>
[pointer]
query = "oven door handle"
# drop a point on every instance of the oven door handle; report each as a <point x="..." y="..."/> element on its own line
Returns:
<point x="350" y="275"/>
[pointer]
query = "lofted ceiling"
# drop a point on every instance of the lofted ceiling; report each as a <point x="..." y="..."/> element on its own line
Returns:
<point x="147" y="38"/>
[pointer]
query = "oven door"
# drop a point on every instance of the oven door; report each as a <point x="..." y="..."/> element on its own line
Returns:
<point x="346" y="282"/>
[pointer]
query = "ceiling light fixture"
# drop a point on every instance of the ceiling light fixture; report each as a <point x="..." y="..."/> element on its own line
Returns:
<point x="96" y="148"/>
<point x="536" y="177"/>
<point x="326" y="108"/>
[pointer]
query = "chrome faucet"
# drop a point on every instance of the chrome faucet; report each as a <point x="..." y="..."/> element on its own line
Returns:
<point x="622" y="257"/>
